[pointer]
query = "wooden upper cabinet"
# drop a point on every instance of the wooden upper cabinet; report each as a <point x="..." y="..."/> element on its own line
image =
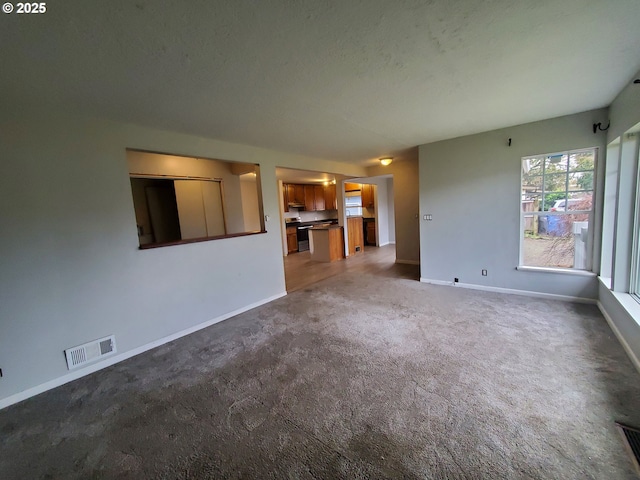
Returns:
<point x="309" y="198"/>
<point x="285" y="196"/>
<point x="298" y="193"/>
<point x="350" y="187"/>
<point x="313" y="197"/>
<point x="318" y="191"/>
<point x="293" y="193"/>
<point x="330" y="197"/>
<point x="367" y="195"/>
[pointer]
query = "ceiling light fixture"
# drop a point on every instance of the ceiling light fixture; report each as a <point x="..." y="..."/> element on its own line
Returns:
<point x="386" y="161"/>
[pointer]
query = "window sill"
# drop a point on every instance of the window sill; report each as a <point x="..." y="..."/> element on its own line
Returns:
<point x="197" y="240"/>
<point x="626" y="301"/>
<point x="564" y="271"/>
<point x="606" y="281"/>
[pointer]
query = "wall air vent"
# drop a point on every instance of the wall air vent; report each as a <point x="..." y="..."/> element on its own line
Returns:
<point x="82" y="354"/>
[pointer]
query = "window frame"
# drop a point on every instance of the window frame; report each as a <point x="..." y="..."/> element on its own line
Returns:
<point x="634" y="274"/>
<point x="588" y="269"/>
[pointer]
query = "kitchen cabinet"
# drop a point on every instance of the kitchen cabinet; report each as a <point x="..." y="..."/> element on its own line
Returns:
<point x="292" y="239"/>
<point x="309" y="198"/>
<point x="355" y="236"/>
<point x="370" y="232"/>
<point x="367" y="195"/>
<point x="330" y="202"/>
<point x="313" y="198"/>
<point x="296" y="193"/>
<point x="318" y="191"/>
<point x="352" y="187"/>
<point x="285" y="196"/>
<point x="292" y="193"/>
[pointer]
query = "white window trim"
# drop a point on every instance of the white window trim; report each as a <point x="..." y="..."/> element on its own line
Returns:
<point x="564" y="271"/>
<point x="635" y="248"/>
<point x="588" y="271"/>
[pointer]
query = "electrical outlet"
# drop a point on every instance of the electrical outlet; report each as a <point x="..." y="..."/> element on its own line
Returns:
<point x="484" y="272"/>
<point x="455" y="280"/>
<point x="0" y="373"/>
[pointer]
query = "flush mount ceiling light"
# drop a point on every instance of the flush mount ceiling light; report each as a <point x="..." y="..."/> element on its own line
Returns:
<point x="386" y="161"/>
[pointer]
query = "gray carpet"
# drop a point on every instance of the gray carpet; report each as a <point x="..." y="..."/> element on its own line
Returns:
<point x="363" y="375"/>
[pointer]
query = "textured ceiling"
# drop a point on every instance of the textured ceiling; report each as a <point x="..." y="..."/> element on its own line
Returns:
<point x="348" y="80"/>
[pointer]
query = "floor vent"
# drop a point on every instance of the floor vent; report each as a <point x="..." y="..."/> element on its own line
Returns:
<point x="631" y="438"/>
<point x="78" y="356"/>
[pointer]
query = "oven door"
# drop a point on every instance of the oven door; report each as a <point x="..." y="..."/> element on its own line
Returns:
<point x="303" y="238"/>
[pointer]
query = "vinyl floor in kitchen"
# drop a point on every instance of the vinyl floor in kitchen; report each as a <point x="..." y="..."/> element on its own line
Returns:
<point x="300" y="271"/>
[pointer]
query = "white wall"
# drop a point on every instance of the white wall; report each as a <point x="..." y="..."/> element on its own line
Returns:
<point x="471" y="186"/>
<point x="406" y="204"/>
<point x="250" y="203"/>
<point x="382" y="212"/>
<point x="623" y="111"/>
<point x="71" y="267"/>
<point x="391" y="211"/>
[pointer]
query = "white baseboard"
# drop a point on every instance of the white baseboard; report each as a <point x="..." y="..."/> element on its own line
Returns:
<point x="56" y="382"/>
<point x="511" y="291"/>
<point x="630" y="353"/>
<point x="384" y="244"/>
<point x="408" y="262"/>
<point x="437" y="282"/>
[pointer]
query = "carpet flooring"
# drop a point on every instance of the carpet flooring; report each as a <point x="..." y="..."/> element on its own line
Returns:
<point x="367" y="374"/>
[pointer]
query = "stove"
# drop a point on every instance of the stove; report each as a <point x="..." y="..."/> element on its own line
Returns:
<point x="292" y="222"/>
<point x="303" y="230"/>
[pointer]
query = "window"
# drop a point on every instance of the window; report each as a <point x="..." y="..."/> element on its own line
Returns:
<point x="557" y="209"/>
<point x="184" y="199"/>
<point x="634" y="281"/>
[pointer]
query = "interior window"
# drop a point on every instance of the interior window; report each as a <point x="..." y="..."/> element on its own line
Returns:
<point x="185" y="199"/>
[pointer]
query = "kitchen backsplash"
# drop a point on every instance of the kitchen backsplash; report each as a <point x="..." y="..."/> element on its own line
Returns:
<point x="311" y="216"/>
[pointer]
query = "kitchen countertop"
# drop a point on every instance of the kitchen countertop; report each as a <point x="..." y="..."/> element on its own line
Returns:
<point x="325" y="227"/>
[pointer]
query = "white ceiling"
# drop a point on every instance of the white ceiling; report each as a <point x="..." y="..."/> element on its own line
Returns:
<point x="349" y="80"/>
<point x="290" y="175"/>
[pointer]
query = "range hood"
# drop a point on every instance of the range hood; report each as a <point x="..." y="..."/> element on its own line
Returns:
<point x="296" y="205"/>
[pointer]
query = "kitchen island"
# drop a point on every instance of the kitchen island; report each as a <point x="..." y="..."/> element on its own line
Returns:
<point x="326" y="243"/>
